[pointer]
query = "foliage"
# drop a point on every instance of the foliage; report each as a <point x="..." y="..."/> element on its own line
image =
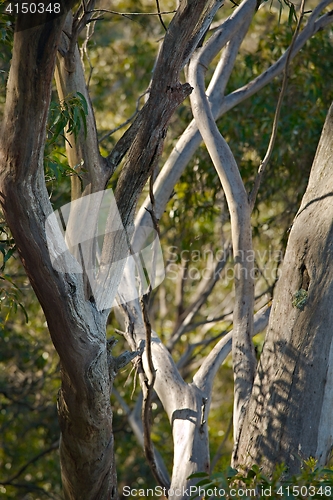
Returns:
<point x="29" y="380"/>
<point x="312" y="482"/>
<point x="195" y="220"/>
<point x="69" y="115"/>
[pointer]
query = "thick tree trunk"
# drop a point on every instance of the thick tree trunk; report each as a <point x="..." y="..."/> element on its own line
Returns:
<point x="289" y="417"/>
<point x="77" y="328"/>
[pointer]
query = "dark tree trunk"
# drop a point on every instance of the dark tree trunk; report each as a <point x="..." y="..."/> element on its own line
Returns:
<point x="76" y="327"/>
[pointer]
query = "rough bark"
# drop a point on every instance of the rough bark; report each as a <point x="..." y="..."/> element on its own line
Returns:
<point x="289" y="417"/>
<point x="77" y="330"/>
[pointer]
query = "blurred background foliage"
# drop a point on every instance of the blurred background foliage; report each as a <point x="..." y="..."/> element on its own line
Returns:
<point x="119" y="54"/>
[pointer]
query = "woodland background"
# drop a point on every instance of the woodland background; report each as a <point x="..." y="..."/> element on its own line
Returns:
<point x="119" y="57"/>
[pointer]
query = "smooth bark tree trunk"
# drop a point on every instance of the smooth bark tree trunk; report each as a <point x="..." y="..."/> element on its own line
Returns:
<point x="289" y="417"/>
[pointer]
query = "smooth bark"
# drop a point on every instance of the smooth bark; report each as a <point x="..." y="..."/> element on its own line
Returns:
<point x="289" y="417"/>
<point x="240" y="216"/>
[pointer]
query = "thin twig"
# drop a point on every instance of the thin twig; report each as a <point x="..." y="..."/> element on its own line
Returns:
<point x="54" y="446"/>
<point x="127" y="14"/>
<point x="147" y="390"/>
<point x="80" y="19"/>
<point x="131" y="118"/>
<point x="160" y="14"/>
<point x="84" y="50"/>
<point x="265" y="161"/>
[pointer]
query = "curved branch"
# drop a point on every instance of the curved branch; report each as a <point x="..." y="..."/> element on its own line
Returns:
<point x="191" y="137"/>
<point x="267" y="157"/>
<point x="239" y="95"/>
<point x="240" y="213"/>
<point x="137" y="428"/>
<point x="204" y="377"/>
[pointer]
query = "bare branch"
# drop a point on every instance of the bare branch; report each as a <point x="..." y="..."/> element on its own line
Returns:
<point x="226" y="31"/>
<point x="160" y="15"/>
<point x="191" y="138"/>
<point x="127" y="14"/>
<point x="166" y="93"/>
<point x="265" y="161"/>
<point x="227" y="169"/>
<point x="205" y="375"/>
<point x="251" y="88"/>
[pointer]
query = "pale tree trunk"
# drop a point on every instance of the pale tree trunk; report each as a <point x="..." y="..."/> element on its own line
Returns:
<point x="238" y="204"/>
<point x="289" y="416"/>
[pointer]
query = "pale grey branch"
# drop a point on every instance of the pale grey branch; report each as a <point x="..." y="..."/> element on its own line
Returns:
<point x="205" y="375"/>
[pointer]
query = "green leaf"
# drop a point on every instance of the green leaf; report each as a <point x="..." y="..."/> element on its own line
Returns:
<point x="198" y="474"/>
<point x="292" y="14"/>
<point x="84" y="102"/>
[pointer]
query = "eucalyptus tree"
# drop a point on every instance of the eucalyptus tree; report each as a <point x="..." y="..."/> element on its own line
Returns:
<point x="269" y="404"/>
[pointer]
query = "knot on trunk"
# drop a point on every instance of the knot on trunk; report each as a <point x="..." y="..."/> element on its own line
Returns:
<point x="115" y="363"/>
<point x="178" y="92"/>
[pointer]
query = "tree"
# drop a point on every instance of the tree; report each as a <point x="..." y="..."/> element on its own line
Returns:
<point x="77" y="318"/>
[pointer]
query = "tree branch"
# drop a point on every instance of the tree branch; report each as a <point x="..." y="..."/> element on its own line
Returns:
<point x="166" y="93"/>
<point x="227" y="169"/>
<point x="267" y="157"/>
<point x="191" y="138"/>
<point x="147" y="390"/>
<point x="204" y="377"/>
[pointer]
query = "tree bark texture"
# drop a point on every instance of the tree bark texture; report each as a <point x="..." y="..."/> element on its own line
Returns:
<point x="76" y="328"/>
<point x="289" y="417"/>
